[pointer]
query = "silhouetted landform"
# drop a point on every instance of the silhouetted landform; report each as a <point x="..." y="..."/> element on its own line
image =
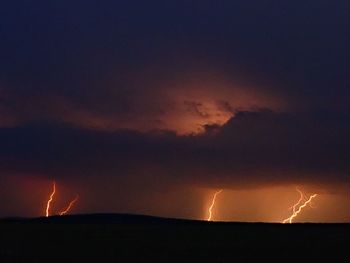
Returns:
<point x="138" y="238"/>
<point x="108" y="218"/>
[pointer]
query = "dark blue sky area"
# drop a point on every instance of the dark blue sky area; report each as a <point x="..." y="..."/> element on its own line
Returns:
<point x="212" y="93"/>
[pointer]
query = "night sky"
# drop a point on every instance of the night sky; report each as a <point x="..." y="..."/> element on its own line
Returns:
<point x="150" y="107"/>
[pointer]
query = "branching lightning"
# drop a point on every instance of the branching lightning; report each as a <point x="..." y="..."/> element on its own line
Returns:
<point x="299" y="201"/>
<point x="48" y="204"/>
<point x="301" y="207"/>
<point x="212" y="205"/>
<point x="71" y="203"/>
<point x="50" y="199"/>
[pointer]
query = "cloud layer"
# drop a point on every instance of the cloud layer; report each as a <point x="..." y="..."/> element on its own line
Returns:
<point x="234" y="94"/>
<point x="252" y="149"/>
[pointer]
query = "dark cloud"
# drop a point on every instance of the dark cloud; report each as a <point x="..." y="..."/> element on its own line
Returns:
<point x="252" y="149"/>
<point x="110" y="62"/>
<point x="224" y="93"/>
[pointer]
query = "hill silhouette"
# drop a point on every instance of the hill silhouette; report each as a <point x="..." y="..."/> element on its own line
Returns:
<point x="103" y="218"/>
<point x="140" y="238"/>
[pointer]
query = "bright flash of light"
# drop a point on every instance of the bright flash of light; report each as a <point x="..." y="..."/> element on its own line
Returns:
<point x="212" y="205"/>
<point x="71" y="203"/>
<point x="50" y="199"/>
<point x="299" y="201"/>
<point x="296" y="212"/>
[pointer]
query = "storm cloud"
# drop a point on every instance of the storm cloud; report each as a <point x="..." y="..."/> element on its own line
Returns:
<point x="234" y="94"/>
<point x="253" y="148"/>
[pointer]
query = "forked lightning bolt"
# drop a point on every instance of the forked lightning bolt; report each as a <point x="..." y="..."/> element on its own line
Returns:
<point x="212" y="205"/>
<point x="301" y="207"/>
<point x="48" y="204"/>
<point x="50" y="200"/>
<point x="299" y="201"/>
<point x="71" y="203"/>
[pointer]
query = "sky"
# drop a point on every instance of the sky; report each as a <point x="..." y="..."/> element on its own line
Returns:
<point x="150" y="107"/>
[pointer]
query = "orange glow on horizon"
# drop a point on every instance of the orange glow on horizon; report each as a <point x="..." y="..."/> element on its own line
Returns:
<point x="50" y="199"/>
<point x="212" y="205"/>
<point x="68" y="208"/>
<point x="301" y="207"/>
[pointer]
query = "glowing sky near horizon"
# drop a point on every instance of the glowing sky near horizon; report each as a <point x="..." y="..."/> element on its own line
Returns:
<point x="149" y="107"/>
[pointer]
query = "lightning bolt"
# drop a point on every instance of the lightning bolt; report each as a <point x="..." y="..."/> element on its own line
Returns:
<point x="50" y="199"/>
<point x="301" y="207"/>
<point x="299" y="201"/>
<point x="212" y="205"/>
<point x="71" y="203"/>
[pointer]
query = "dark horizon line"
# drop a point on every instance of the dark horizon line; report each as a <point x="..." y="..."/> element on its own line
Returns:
<point x="141" y="218"/>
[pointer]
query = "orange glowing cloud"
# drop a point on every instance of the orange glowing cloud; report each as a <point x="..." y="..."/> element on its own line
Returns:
<point x="183" y="101"/>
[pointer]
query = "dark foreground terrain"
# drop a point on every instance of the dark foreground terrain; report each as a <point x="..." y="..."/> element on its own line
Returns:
<point x="130" y="238"/>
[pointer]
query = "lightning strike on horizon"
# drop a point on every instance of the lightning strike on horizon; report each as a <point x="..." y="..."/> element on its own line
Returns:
<point x="50" y="199"/>
<point x="71" y="203"/>
<point x="295" y="213"/>
<point x="212" y="204"/>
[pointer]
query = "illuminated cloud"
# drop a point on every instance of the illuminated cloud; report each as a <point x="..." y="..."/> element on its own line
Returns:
<point x="172" y="94"/>
<point x="252" y="148"/>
